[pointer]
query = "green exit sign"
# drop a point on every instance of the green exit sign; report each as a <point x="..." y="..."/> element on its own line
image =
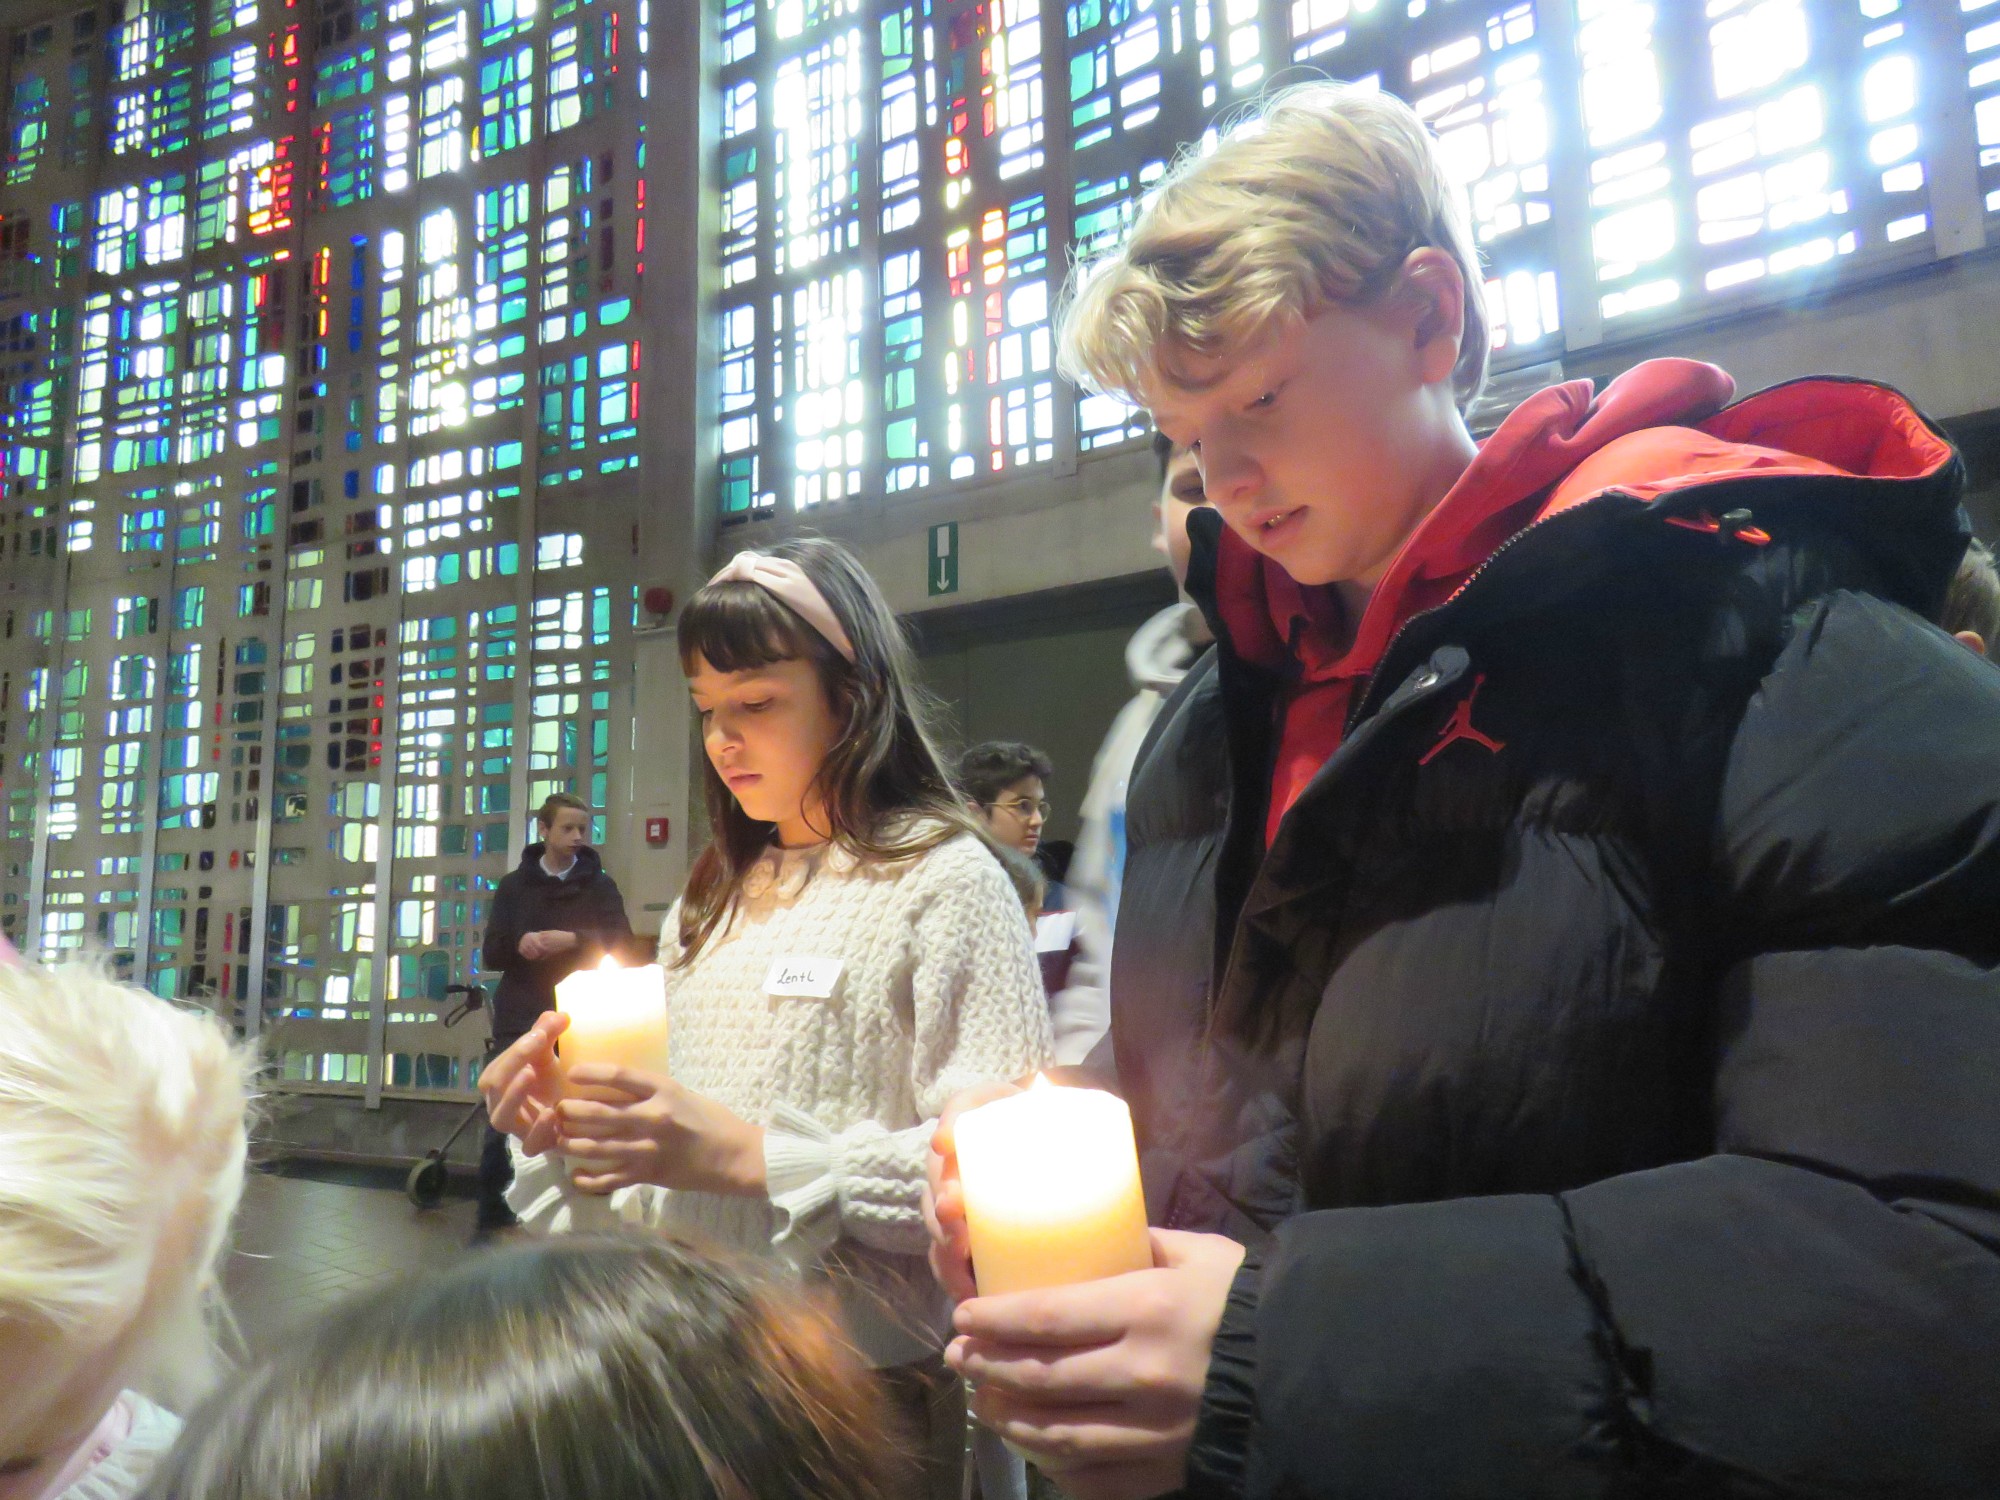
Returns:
<point x="943" y="575"/>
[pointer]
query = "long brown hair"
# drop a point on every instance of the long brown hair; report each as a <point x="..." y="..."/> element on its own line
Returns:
<point x="883" y="785"/>
<point x="577" y="1367"/>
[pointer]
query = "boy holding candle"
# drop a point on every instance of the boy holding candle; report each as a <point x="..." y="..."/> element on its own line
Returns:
<point x="1599" y="807"/>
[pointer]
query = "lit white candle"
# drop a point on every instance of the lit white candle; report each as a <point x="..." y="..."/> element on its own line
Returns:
<point x="616" y="1016"/>
<point x="1051" y="1182"/>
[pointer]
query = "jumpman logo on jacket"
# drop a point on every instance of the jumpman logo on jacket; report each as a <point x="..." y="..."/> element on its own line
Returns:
<point x="1459" y="727"/>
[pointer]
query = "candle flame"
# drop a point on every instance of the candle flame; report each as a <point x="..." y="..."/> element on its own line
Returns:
<point x="607" y="963"/>
<point x="1041" y="1082"/>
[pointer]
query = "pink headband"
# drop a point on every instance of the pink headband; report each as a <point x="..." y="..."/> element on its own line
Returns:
<point x="786" y="582"/>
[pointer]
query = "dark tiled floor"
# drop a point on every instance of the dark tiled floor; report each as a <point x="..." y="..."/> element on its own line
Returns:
<point x="305" y="1242"/>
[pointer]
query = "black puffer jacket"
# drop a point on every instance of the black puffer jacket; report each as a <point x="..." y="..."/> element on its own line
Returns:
<point x="1614" y="1111"/>
<point x="586" y="902"/>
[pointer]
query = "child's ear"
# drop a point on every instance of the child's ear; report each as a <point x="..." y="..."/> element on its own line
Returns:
<point x="1435" y="292"/>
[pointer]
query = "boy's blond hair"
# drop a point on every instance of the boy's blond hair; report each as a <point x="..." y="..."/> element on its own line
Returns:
<point x="122" y="1145"/>
<point x="1320" y="200"/>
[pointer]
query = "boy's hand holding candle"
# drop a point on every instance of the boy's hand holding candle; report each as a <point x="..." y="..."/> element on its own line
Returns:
<point x="1100" y="1383"/>
<point x="1088" y="1344"/>
<point x="944" y="1196"/>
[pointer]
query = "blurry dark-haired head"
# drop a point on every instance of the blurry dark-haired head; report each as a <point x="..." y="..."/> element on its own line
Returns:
<point x="582" y="1368"/>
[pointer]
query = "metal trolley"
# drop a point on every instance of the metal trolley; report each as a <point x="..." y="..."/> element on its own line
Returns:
<point x="426" y="1183"/>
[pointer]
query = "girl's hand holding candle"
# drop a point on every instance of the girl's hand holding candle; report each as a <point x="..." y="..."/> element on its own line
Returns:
<point x="622" y="1127"/>
<point x="591" y="1080"/>
<point x="617" y="1020"/>
<point x="522" y="1086"/>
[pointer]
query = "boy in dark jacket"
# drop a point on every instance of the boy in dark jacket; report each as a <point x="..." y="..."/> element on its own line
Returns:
<point x="557" y="913"/>
<point x="1557" y="934"/>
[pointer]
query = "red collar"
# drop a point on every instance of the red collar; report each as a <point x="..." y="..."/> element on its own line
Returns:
<point x="1507" y="486"/>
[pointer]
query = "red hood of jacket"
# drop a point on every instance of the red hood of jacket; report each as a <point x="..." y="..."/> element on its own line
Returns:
<point x="1659" y="428"/>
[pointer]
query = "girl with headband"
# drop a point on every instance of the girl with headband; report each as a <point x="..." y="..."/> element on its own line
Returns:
<point x="847" y="955"/>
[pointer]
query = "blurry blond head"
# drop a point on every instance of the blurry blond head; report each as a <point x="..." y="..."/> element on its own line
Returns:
<point x="1972" y="603"/>
<point x="1320" y="199"/>
<point x="122" y="1141"/>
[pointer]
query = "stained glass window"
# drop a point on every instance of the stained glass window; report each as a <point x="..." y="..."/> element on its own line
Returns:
<point x="321" y="337"/>
<point x="1784" y="138"/>
<point x="301" y="294"/>
<point x="904" y="182"/>
<point x="27" y="126"/>
<point x="1980" y="38"/>
<point x="229" y="91"/>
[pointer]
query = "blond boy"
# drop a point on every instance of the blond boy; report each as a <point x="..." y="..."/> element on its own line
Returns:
<point x="1570" y="866"/>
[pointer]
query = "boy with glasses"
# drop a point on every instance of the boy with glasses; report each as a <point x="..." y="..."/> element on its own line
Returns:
<point x="1007" y="784"/>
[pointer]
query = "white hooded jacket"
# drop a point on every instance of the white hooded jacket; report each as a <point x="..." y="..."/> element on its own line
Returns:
<point x="1157" y="657"/>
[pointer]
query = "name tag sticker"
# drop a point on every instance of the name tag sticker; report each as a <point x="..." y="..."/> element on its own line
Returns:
<point x="1054" y="930"/>
<point x="803" y="978"/>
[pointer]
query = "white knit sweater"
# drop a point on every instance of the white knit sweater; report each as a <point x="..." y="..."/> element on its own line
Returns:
<point x="937" y="990"/>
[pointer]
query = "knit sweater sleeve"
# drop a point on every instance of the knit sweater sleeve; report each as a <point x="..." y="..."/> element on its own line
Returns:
<point x="978" y="1015"/>
<point x="546" y="1199"/>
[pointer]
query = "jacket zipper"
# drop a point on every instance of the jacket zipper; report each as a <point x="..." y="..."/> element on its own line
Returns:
<point x="1354" y="714"/>
<point x="1176" y="1212"/>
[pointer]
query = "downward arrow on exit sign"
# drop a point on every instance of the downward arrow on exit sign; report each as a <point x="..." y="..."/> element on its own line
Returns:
<point x="943" y="576"/>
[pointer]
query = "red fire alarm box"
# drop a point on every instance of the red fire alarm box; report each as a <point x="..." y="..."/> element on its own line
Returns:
<point x="656" y="831"/>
